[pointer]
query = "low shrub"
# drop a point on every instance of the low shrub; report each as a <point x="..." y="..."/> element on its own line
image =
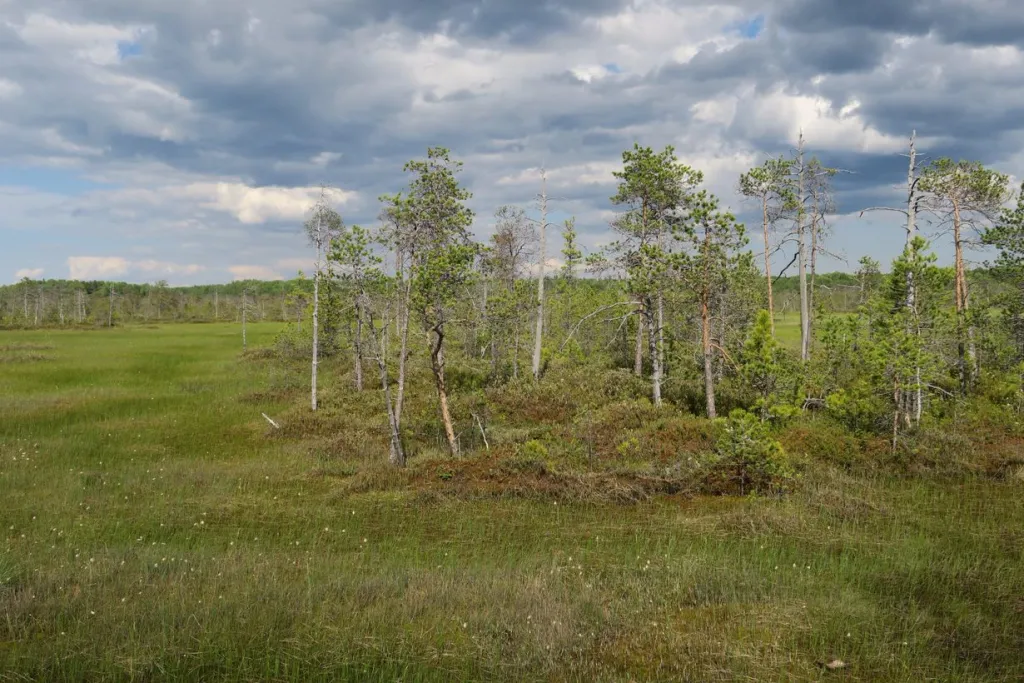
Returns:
<point x="748" y="459"/>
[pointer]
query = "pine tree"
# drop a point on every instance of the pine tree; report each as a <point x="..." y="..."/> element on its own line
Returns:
<point x="570" y="252"/>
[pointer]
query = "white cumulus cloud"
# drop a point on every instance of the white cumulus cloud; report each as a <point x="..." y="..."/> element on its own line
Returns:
<point x="96" y="267"/>
<point x="107" y="267"/>
<point x="254" y="273"/>
<point x="30" y="273"/>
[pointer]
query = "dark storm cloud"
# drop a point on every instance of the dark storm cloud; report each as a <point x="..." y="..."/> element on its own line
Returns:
<point x="292" y="94"/>
<point x="521" y="21"/>
<point x="911" y="17"/>
<point x="975" y="22"/>
<point x="792" y="58"/>
<point x="518" y="21"/>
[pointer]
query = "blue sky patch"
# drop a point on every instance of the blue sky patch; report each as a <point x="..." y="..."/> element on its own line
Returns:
<point x="56" y="180"/>
<point x="612" y="68"/>
<point x="750" y="28"/>
<point x="126" y="49"/>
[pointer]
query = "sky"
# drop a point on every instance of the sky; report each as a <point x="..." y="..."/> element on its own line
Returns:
<point x="144" y="140"/>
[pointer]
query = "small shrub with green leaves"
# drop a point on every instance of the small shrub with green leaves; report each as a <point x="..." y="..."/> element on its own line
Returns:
<point x="748" y="457"/>
<point x="534" y="450"/>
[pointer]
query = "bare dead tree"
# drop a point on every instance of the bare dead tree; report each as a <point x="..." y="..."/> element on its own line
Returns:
<point x="324" y="225"/>
<point x="912" y="400"/>
<point x="542" y="229"/>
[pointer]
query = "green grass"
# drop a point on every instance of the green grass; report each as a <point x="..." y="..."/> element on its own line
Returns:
<point x="787" y="329"/>
<point x="154" y="528"/>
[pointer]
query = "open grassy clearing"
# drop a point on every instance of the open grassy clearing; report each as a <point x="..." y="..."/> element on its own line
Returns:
<point x="155" y="528"/>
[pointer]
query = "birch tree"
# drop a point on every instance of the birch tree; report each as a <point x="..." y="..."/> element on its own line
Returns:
<point x="821" y="204"/>
<point x="401" y="231"/>
<point x="244" y="313"/>
<point x="801" y="235"/>
<point x="322" y="226"/>
<point x="351" y="251"/>
<point x="506" y="260"/>
<point x="812" y="202"/>
<point x="770" y="185"/>
<point x="915" y="195"/>
<point x="542" y="255"/>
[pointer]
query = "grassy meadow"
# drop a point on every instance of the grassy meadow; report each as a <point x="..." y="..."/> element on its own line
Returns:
<point x="156" y="527"/>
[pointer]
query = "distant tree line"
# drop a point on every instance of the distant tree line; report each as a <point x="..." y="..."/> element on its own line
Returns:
<point x="56" y="303"/>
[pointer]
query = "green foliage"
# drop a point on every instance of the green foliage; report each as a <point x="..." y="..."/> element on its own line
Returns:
<point x="749" y="457"/>
<point x="764" y="371"/>
<point x="858" y="406"/>
<point x="868" y="277"/>
<point x="966" y="185"/>
<point x="771" y="184"/>
<point x="436" y="222"/>
<point x="711" y="237"/>
<point x="1007" y="236"/>
<point x="534" y="449"/>
<point x="571" y="254"/>
<point x="654" y="188"/>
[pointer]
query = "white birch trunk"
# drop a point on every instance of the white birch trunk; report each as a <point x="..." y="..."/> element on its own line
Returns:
<point x="316" y="313"/>
<point x="539" y="333"/>
<point x="805" y="318"/>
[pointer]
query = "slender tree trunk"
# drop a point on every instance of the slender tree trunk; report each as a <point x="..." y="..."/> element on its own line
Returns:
<point x="659" y="349"/>
<point x="515" y="353"/>
<point x="814" y="271"/>
<point x="487" y="324"/>
<point x="709" y="371"/>
<point x="719" y="338"/>
<point x="638" y="357"/>
<point x="437" y="364"/>
<point x="705" y="329"/>
<point x="358" y="347"/>
<point x="244" y="309"/>
<point x="805" y="321"/>
<point x="649" y="317"/>
<point x="396" y="451"/>
<point x="403" y="354"/>
<point x="661" y="340"/>
<point x="965" y="333"/>
<point x="768" y="264"/>
<point x="316" y="319"/>
<point x="539" y="333"/>
<point x="914" y="398"/>
<point x="403" y="351"/>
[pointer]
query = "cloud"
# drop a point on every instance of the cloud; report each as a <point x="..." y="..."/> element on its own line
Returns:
<point x="164" y="268"/>
<point x="293" y="265"/>
<point x="260" y="204"/>
<point x="30" y="273"/>
<point x="106" y="267"/>
<point x="96" y="267"/>
<point x="254" y="273"/>
<point x="199" y="134"/>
